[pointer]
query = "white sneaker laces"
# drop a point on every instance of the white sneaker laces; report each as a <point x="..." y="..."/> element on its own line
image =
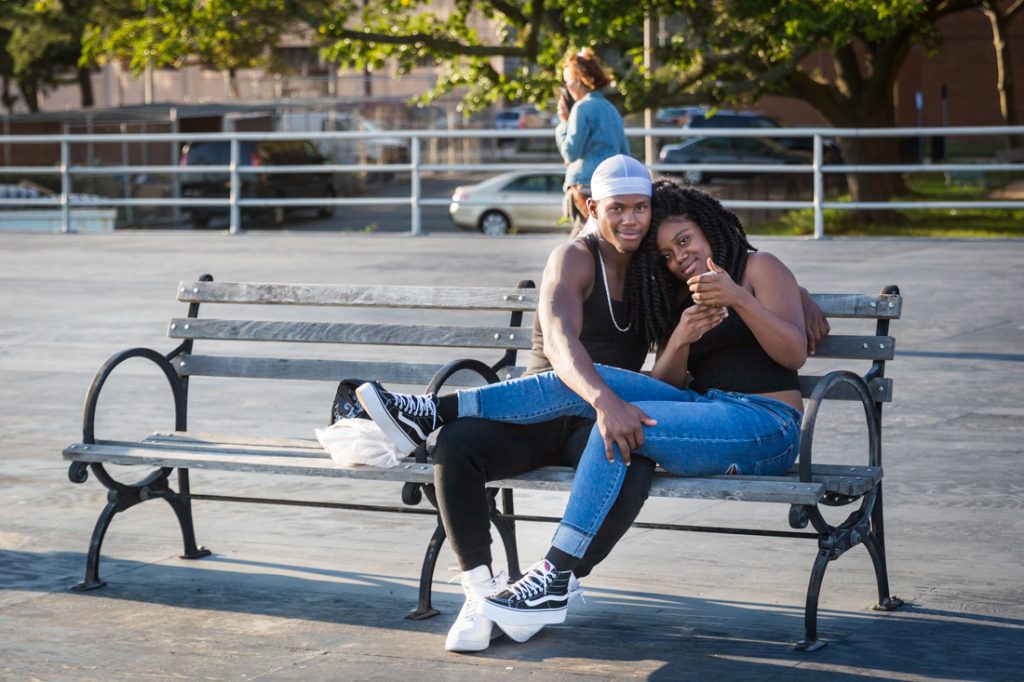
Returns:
<point x="534" y="582"/>
<point x="416" y="405"/>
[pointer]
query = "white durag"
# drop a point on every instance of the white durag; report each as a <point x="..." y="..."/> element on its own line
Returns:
<point x="617" y="175"/>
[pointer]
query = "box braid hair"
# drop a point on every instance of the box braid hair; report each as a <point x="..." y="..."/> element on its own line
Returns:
<point x="654" y="292"/>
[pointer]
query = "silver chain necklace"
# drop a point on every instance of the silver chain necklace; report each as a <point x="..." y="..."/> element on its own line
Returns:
<point x="608" y="295"/>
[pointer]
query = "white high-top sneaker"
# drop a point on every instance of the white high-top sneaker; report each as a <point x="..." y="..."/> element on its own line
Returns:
<point x="472" y="631"/>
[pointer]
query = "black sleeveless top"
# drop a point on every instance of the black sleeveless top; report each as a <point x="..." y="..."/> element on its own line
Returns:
<point x="605" y="344"/>
<point x="729" y="358"/>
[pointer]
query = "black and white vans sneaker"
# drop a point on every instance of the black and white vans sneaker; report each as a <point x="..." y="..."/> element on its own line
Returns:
<point x="406" y="419"/>
<point x="541" y="597"/>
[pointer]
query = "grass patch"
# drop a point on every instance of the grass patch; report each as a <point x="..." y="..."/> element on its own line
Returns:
<point x="959" y="222"/>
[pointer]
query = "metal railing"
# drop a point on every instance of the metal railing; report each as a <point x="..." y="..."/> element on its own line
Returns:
<point x="415" y="167"/>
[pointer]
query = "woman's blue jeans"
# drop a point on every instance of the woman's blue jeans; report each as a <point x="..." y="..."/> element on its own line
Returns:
<point x="696" y="435"/>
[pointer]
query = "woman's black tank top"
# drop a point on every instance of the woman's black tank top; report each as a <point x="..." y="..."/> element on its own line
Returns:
<point x="605" y="344"/>
<point x="729" y="358"/>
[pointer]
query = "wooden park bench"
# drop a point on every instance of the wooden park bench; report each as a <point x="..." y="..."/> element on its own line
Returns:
<point x="448" y="337"/>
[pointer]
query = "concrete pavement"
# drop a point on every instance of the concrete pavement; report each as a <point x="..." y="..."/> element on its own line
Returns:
<point x="294" y="593"/>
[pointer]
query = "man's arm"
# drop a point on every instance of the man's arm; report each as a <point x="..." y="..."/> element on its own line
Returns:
<point x="568" y="277"/>
<point x="814" y="320"/>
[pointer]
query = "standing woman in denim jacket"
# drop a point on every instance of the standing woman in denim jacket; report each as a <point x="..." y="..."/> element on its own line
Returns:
<point x="590" y="131"/>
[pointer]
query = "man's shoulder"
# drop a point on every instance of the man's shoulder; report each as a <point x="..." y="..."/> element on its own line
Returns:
<point x="572" y="261"/>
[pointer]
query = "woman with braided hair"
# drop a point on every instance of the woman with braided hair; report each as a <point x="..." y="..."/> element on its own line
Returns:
<point x="713" y="308"/>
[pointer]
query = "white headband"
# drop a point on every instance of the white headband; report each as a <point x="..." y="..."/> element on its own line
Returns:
<point x="619" y="175"/>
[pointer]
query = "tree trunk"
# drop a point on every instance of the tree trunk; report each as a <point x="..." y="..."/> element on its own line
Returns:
<point x="1004" y="69"/>
<point x="6" y="98"/>
<point x="30" y="93"/>
<point x="875" y="151"/>
<point x="85" y="88"/>
<point x="233" y="91"/>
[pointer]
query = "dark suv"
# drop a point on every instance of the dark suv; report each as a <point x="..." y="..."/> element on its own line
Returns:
<point x="254" y="185"/>
<point x="699" y="119"/>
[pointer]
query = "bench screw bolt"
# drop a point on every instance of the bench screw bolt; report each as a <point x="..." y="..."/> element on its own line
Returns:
<point x="522" y="298"/>
<point x="865" y="345"/>
<point x="181" y="364"/>
<point x="881" y="345"/>
<point x="174" y="326"/>
<point x="497" y="336"/>
<point x="891" y="304"/>
<point x="183" y="290"/>
<point x="195" y="290"/>
<point x="511" y="337"/>
<point x="506" y="297"/>
<point x="873" y="304"/>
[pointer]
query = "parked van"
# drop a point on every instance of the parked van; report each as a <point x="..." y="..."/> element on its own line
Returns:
<point x="203" y="185"/>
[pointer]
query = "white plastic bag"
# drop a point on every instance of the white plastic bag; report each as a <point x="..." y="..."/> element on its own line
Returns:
<point x="358" y="441"/>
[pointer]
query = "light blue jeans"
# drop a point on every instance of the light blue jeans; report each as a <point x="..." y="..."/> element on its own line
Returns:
<point x="696" y="435"/>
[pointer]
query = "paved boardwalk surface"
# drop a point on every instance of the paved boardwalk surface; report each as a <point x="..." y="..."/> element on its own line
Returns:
<point x="317" y="594"/>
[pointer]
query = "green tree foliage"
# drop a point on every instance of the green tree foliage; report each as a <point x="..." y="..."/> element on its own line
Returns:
<point x="41" y="44"/>
<point x="721" y="52"/>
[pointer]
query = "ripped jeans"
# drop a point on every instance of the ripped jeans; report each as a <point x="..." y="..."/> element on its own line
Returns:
<point x="696" y="435"/>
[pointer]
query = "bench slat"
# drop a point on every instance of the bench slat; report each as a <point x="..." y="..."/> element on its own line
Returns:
<point x="143" y="454"/>
<point x="841" y="478"/>
<point x="780" y="489"/>
<point x="452" y="298"/>
<point x="409" y="374"/>
<point x="785" y="490"/>
<point x="856" y="347"/>
<point x="324" y="370"/>
<point x="883" y="306"/>
<point x="367" y="334"/>
<point x="835" y="346"/>
<point x="232" y="454"/>
<point x="881" y="389"/>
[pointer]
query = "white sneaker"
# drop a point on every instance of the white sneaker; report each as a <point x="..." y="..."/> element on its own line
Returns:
<point x="472" y="631"/>
<point x="522" y="633"/>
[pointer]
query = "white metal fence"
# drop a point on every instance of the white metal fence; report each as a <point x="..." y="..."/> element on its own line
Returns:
<point x="65" y="200"/>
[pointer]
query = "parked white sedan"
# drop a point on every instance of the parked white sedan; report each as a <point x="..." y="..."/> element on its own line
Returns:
<point x="514" y="201"/>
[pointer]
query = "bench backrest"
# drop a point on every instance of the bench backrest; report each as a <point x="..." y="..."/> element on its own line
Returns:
<point x="436" y="325"/>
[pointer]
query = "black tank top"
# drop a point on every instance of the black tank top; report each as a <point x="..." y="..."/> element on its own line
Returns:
<point x="729" y="358"/>
<point x="605" y="344"/>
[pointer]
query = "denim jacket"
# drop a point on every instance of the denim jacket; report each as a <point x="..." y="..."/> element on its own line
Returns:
<point x="593" y="132"/>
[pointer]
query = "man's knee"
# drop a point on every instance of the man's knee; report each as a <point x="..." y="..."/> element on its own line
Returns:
<point x="460" y="443"/>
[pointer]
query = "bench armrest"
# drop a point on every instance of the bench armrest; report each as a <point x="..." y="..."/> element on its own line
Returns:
<point x="92" y="397"/>
<point x="412" y="492"/>
<point x="827" y="383"/>
<point x="465" y="364"/>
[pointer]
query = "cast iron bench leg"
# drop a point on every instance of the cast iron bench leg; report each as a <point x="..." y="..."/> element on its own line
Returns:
<point x="875" y="544"/>
<point x="507" y="531"/>
<point x="424" y="609"/>
<point x="811" y="641"/>
<point x="181" y="503"/>
<point x="92" y="562"/>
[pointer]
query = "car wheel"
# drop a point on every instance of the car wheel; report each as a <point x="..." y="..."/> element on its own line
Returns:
<point x="494" y="223"/>
<point x="694" y="177"/>
<point x="327" y="211"/>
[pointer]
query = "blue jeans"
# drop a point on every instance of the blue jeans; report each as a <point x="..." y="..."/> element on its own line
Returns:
<point x="696" y="435"/>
